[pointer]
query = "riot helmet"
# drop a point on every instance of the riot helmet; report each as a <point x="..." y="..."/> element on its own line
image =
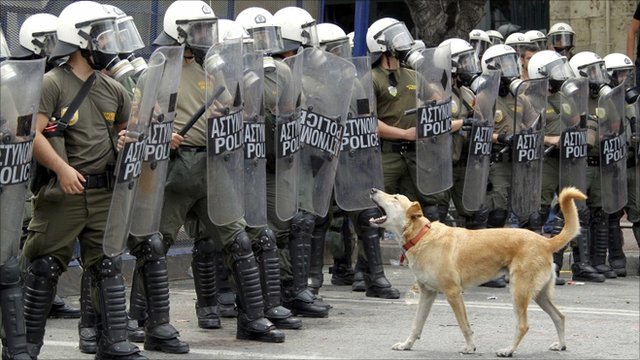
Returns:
<point x="259" y="23"/>
<point x="620" y="69"/>
<point x="561" y="37"/>
<point x="192" y="23"/>
<point x="388" y="35"/>
<point x="89" y="27"/>
<point x="495" y="36"/>
<point x="465" y="63"/>
<point x="480" y="41"/>
<point x="538" y="38"/>
<point x="548" y="63"/>
<point x="590" y="65"/>
<point x="38" y="36"/>
<point x="298" y="28"/>
<point x="334" y="40"/>
<point x="130" y="40"/>
<point x="518" y="41"/>
<point x="505" y="59"/>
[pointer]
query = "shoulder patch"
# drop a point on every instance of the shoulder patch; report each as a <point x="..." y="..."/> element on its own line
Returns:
<point x="499" y="116"/>
<point x="74" y="118"/>
<point x="454" y="107"/>
<point x="411" y="87"/>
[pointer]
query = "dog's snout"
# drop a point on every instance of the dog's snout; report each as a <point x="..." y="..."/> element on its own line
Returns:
<point x="373" y="191"/>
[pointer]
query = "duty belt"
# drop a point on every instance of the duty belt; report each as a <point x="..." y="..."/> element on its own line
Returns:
<point x="398" y="146"/>
<point x="192" y="148"/>
<point x="96" y="181"/>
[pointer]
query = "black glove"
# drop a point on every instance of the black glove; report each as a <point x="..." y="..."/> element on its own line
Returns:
<point x="505" y="139"/>
<point x="467" y="123"/>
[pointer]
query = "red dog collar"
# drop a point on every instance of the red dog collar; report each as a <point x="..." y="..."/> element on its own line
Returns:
<point x="409" y="244"/>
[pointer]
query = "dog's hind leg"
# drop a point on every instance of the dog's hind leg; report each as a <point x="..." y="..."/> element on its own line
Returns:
<point x="456" y="302"/>
<point x="521" y="294"/>
<point x="544" y="301"/>
<point x="427" y="297"/>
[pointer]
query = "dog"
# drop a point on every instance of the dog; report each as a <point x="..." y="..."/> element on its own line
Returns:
<point x="450" y="259"/>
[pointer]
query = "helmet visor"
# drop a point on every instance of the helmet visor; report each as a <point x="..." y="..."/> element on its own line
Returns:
<point x="103" y="35"/>
<point x="267" y="39"/>
<point x="561" y="40"/>
<point x="596" y="72"/>
<point x="309" y="34"/>
<point x="468" y="62"/>
<point x="396" y="37"/>
<point x="202" y="33"/>
<point x="623" y="76"/>
<point x="540" y="43"/>
<point x="507" y="64"/>
<point x="340" y="47"/>
<point x="129" y="36"/>
<point x="559" y="69"/>
<point x="495" y="40"/>
<point x="480" y="45"/>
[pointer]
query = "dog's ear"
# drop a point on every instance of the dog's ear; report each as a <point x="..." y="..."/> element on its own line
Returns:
<point x="415" y="210"/>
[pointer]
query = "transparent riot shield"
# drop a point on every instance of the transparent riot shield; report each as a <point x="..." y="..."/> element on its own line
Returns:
<point x="129" y="161"/>
<point x="613" y="149"/>
<point x="573" y="96"/>
<point x="287" y="136"/>
<point x="479" y="157"/>
<point x="360" y="162"/>
<point x="529" y="121"/>
<point x="225" y="154"/>
<point x="147" y="206"/>
<point x="632" y="110"/>
<point x="20" y="86"/>
<point x="255" y="152"/>
<point x="434" y="171"/>
<point x="327" y="82"/>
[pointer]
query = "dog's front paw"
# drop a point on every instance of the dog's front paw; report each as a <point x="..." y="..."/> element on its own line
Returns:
<point x="402" y="346"/>
<point x="557" y="347"/>
<point x="504" y="353"/>
<point x="469" y="349"/>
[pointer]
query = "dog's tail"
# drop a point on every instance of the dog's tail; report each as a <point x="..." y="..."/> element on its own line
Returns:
<point x="571" y="227"/>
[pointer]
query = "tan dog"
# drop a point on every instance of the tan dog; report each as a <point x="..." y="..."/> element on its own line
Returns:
<point x="448" y="260"/>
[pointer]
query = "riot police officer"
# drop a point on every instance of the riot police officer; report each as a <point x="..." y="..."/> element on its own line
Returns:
<point x="561" y="38"/>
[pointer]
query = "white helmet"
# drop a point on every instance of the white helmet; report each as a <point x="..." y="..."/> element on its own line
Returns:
<point x="37" y="36"/>
<point x="590" y="65"/>
<point x="463" y="56"/>
<point x="538" y="38"/>
<point x="501" y="57"/>
<point x="561" y="37"/>
<point x="495" y="36"/>
<point x="518" y="40"/>
<point x="130" y="39"/>
<point x="620" y="68"/>
<point x="229" y="29"/>
<point x="189" y="22"/>
<point x="480" y="41"/>
<point x="333" y="39"/>
<point x="259" y="23"/>
<point x="298" y="27"/>
<point x="388" y="34"/>
<point x="548" y="63"/>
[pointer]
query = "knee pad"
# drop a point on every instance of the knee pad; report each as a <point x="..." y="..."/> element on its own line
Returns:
<point x="108" y="267"/>
<point x="241" y="246"/>
<point x="267" y="240"/>
<point x="497" y="218"/>
<point x="9" y="273"/>
<point x="365" y="215"/>
<point x="152" y="248"/>
<point x="204" y="248"/>
<point x="302" y="222"/>
<point x="598" y="217"/>
<point x="46" y="267"/>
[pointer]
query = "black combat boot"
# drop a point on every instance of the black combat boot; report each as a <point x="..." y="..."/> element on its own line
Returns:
<point x="112" y="334"/>
<point x="342" y="272"/>
<point x="87" y="325"/>
<point x="137" y="308"/>
<point x="617" y="258"/>
<point x="252" y="324"/>
<point x="39" y="289"/>
<point x="358" y="277"/>
<point x="269" y="266"/>
<point x="600" y="244"/>
<point x="225" y="294"/>
<point x="297" y="296"/>
<point x="203" y="266"/>
<point x="581" y="246"/>
<point x="376" y="283"/>
<point x="14" y="343"/>
<point x="316" y="257"/>
<point x="151" y="263"/>
<point x="61" y="310"/>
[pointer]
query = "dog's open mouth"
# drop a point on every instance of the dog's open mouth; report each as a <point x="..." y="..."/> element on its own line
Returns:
<point x="379" y="220"/>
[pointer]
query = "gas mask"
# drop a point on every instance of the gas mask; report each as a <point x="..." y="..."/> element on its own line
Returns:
<point x="268" y="64"/>
<point x="413" y="57"/>
<point x="199" y="54"/>
<point x="138" y="63"/>
<point x="99" y="60"/>
<point x="122" y="68"/>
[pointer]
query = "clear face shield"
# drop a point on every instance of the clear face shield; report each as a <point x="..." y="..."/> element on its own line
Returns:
<point x="480" y="45"/>
<point x="623" y="76"/>
<point x="339" y="47"/>
<point x="45" y="41"/>
<point x="396" y="38"/>
<point x="540" y="43"/>
<point x="468" y="63"/>
<point x="561" y="42"/>
<point x="310" y="34"/>
<point x="558" y="71"/>
<point x="4" y="48"/>
<point x="104" y="44"/>
<point x="596" y="72"/>
<point x="496" y="40"/>
<point x="507" y="64"/>
<point x="129" y="36"/>
<point x="200" y="35"/>
<point x="267" y="39"/>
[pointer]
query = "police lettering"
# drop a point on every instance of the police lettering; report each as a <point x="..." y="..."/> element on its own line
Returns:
<point x="159" y="142"/>
<point x="613" y="150"/>
<point x="434" y="120"/>
<point x="527" y="147"/>
<point x="288" y="134"/>
<point x="360" y="133"/>
<point x="225" y="133"/>
<point x="481" y="140"/>
<point x="254" y="141"/>
<point x="15" y="162"/>
<point x="574" y="144"/>
<point x="321" y="133"/>
<point x="131" y="165"/>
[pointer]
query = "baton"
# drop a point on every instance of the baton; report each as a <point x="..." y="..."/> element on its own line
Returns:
<point x="548" y="150"/>
<point x="411" y="111"/>
<point x="198" y="114"/>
